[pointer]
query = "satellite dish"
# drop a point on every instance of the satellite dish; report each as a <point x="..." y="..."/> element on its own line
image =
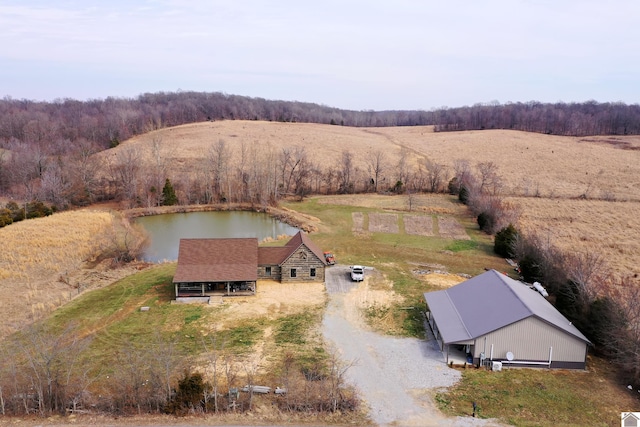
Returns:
<point x="509" y="356"/>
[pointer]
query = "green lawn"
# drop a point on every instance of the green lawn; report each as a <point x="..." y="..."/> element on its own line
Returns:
<point x="396" y="254"/>
<point x="526" y="397"/>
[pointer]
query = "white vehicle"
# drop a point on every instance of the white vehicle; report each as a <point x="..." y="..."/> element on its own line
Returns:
<point x="357" y="273"/>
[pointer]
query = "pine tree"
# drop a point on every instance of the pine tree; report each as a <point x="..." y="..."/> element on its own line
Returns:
<point x="169" y="197"/>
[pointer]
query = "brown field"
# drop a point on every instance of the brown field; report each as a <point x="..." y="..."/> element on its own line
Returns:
<point x="543" y="174"/>
<point x="530" y="163"/>
<point x="383" y="223"/>
<point x="609" y="228"/>
<point x="43" y="261"/>
<point x="418" y="225"/>
<point x="358" y="221"/>
<point x="450" y="228"/>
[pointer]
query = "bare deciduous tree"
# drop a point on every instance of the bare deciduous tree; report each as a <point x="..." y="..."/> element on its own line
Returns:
<point x="489" y="181"/>
<point x="124" y="169"/>
<point x="376" y="165"/>
<point x="220" y="161"/>
<point x="589" y="272"/>
<point x="346" y="173"/>
<point x="436" y="175"/>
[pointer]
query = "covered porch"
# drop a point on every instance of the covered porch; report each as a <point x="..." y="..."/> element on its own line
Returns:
<point x="228" y="288"/>
<point x="458" y="354"/>
<point x="455" y="354"/>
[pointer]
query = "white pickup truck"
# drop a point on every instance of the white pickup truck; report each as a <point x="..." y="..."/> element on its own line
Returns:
<point x="357" y="273"/>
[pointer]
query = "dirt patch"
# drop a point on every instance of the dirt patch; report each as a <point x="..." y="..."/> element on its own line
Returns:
<point x="272" y="300"/>
<point x="383" y="223"/>
<point x="450" y="228"/>
<point x="369" y="304"/>
<point x="441" y="279"/>
<point x="358" y="222"/>
<point x="418" y="225"/>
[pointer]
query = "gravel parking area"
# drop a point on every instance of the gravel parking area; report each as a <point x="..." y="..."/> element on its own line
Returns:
<point x="395" y="376"/>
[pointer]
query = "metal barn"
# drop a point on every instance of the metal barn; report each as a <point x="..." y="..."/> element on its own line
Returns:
<point x="493" y="318"/>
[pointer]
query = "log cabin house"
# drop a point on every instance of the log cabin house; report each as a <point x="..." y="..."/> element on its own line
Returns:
<point x="234" y="266"/>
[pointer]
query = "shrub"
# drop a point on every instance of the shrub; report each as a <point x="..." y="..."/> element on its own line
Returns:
<point x="38" y="210"/>
<point x="17" y="213"/>
<point x="530" y="269"/>
<point x="454" y="186"/>
<point x="463" y="194"/>
<point x="486" y="221"/>
<point x="505" y="241"/>
<point x="5" y="217"/>
<point x="189" y="395"/>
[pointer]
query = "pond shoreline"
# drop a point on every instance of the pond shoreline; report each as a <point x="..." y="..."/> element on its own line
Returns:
<point x="305" y="223"/>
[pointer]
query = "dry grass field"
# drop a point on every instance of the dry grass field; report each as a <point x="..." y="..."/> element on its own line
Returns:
<point x="582" y="192"/>
<point x="42" y="263"/>
<point x="530" y="163"/>
<point x="608" y="228"/>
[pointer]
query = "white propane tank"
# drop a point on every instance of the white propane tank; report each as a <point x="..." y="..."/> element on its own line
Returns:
<point x="540" y="289"/>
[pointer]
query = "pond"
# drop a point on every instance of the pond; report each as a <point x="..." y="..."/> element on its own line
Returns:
<point x="166" y="230"/>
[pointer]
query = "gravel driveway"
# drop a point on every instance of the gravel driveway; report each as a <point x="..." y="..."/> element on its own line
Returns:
<point x="394" y="375"/>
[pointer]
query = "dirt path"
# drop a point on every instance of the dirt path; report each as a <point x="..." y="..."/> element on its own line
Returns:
<point x="395" y="376"/>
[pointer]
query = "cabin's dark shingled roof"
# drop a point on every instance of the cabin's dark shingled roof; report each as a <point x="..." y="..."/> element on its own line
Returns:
<point x="300" y="239"/>
<point x="487" y="303"/>
<point x="273" y="255"/>
<point x="220" y="260"/>
<point x="278" y="255"/>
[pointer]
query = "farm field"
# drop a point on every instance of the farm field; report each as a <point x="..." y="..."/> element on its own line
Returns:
<point x="531" y="164"/>
<point x="582" y="192"/>
<point x="285" y="318"/>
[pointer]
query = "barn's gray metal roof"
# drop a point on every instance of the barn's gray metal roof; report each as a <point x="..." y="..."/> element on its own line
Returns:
<point x="489" y="302"/>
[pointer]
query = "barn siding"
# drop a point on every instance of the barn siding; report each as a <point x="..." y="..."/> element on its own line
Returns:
<point x="530" y="339"/>
<point x="303" y="260"/>
<point x="275" y="272"/>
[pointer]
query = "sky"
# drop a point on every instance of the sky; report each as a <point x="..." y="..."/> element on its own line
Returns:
<point x="351" y="54"/>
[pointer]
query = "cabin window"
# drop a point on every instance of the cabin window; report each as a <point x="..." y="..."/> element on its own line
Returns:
<point x="312" y="272"/>
<point x="294" y="273"/>
<point x="267" y="271"/>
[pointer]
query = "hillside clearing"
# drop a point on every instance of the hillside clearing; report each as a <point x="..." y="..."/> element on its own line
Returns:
<point x="538" y="172"/>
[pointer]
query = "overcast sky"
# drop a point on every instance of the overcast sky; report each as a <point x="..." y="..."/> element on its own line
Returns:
<point x="353" y="54"/>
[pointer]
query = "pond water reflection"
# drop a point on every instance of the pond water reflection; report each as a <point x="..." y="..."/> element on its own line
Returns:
<point x="166" y="230"/>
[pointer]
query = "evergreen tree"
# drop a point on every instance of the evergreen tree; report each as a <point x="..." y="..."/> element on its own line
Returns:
<point x="505" y="241"/>
<point x="169" y="197"/>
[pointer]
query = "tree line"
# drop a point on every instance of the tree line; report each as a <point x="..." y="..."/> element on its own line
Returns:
<point x="257" y="174"/>
<point x="602" y="305"/>
<point x="568" y="119"/>
<point x="47" y="149"/>
<point x="106" y="122"/>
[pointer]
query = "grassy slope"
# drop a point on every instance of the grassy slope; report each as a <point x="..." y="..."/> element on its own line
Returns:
<point x="525" y="397"/>
<point x="516" y="396"/>
<point x="537" y="397"/>
<point x="557" y="167"/>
